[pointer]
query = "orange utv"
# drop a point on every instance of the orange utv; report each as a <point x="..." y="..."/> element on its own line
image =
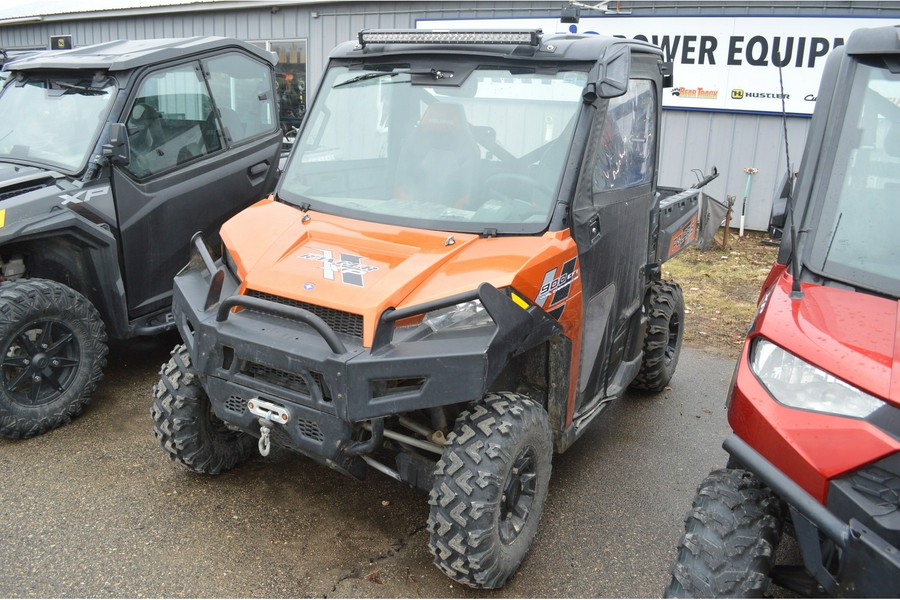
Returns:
<point x="458" y="270"/>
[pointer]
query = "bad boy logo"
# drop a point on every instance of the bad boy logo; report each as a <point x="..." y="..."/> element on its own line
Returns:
<point x="348" y="265"/>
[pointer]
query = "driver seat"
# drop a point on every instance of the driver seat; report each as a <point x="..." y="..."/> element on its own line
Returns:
<point x="438" y="162"/>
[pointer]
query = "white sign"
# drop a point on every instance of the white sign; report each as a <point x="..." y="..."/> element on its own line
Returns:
<point x="721" y="63"/>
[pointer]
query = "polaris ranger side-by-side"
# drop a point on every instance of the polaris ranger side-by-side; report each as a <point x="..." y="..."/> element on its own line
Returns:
<point x="815" y="400"/>
<point x="459" y="269"/>
<point x="111" y="157"/>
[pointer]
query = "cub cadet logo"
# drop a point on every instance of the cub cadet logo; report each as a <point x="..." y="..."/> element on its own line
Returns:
<point x="698" y="93"/>
<point x="559" y="287"/>
<point x="349" y="266"/>
<point x="84" y="195"/>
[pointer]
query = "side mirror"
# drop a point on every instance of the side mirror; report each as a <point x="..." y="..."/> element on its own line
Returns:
<point x="116" y="149"/>
<point x="666" y="69"/>
<point x="615" y="68"/>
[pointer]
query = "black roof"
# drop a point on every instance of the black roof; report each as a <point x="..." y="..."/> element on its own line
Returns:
<point x="552" y="48"/>
<point x="123" y="55"/>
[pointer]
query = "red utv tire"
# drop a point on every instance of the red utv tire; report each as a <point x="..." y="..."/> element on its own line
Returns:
<point x="731" y="534"/>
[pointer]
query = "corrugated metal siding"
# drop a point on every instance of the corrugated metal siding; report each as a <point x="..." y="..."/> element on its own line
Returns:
<point x="691" y="140"/>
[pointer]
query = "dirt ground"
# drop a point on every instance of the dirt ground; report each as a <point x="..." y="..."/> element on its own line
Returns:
<point x="721" y="287"/>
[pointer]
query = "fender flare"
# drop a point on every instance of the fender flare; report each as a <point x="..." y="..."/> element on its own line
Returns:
<point x="82" y="252"/>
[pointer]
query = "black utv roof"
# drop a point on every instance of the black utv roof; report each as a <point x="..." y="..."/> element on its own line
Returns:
<point x="551" y="48"/>
<point x="123" y="55"/>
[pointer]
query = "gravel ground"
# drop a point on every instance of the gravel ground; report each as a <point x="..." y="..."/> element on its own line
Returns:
<point x="95" y="509"/>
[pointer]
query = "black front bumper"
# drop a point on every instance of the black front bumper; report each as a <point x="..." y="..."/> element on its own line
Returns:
<point x="328" y="382"/>
<point x="868" y="564"/>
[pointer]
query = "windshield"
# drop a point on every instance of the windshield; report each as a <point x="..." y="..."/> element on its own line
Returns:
<point x="53" y="121"/>
<point x="855" y="239"/>
<point x="397" y="144"/>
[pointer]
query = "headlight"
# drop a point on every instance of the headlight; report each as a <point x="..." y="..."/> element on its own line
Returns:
<point x="798" y="384"/>
<point x="466" y="315"/>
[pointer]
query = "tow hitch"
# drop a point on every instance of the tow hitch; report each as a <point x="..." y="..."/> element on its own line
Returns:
<point x="268" y="414"/>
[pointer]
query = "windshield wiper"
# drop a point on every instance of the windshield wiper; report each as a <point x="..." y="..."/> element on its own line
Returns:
<point x="371" y="75"/>
<point x="79" y="89"/>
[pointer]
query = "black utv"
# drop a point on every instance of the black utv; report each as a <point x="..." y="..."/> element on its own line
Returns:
<point x="111" y="157"/>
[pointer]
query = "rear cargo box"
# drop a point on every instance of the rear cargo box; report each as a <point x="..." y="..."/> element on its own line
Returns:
<point x="678" y="221"/>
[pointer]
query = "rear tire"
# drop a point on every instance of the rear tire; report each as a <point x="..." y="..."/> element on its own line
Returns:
<point x="489" y="490"/>
<point x="185" y="425"/>
<point x="53" y="351"/>
<point x="731" y="534"/>
<point x="665" y="332"/>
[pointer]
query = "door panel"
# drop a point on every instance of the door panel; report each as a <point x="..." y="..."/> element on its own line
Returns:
<point x="188" y="172"/>
<point x="611" y="227"/>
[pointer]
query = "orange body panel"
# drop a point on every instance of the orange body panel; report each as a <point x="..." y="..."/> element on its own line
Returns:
<point x="365" y="268"/>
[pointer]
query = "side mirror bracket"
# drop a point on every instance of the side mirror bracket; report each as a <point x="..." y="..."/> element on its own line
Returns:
<point x="116" y="149"/>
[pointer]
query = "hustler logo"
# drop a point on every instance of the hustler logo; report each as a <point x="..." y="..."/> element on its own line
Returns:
<point x="557" y="287"/>
<point x="348" y="265"/>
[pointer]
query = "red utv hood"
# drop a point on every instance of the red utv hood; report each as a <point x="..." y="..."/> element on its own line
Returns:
<point x="852" y="335"/>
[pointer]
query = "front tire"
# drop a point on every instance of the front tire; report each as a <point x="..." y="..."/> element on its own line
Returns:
<point x="731" y="533"/>
<point x="665" y="332"/>
<point x="489" y="490"/>
<point x="53" y="351"/>
<point x="185" y="425"/>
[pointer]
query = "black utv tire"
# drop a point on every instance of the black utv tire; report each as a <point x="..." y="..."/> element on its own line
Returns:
<point x="731" y="534"/>
<point x="489" y="490"/>
<point x="665" y="332"/>
<point x="53" y="351"/>
<point x="185" y="425"/>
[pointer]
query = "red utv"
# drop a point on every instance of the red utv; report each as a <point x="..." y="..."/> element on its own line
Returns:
<point x="815" y="399"/>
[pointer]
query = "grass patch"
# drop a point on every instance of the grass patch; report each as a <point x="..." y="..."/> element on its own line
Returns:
<point x="721" y="288"/>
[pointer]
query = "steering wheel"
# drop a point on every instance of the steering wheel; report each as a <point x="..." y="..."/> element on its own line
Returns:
<point x="523" y="191"/>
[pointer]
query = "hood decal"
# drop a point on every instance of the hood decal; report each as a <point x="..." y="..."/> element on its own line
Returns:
<point x="350" y="266"/>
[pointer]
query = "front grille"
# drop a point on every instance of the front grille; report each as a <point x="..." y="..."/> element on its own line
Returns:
<point x="286" y="379"/>
<point x="340" y="321"/>
<point x="292" y="381"/>
<point x="310" y="429"/>
<point x="879" y="484"/>
<point x="236" y="404"/>
<point x="307" y="429"/>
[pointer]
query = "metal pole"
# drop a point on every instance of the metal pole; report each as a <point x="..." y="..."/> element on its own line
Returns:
<point x="750" y="171"/>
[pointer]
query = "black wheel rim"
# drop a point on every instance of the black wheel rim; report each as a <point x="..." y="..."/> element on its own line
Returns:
<point x="672" y="344"/>
<point x="518" y="496"/>
<point x="40" y="362"/>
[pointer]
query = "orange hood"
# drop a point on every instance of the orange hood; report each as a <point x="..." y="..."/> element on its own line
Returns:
<point x="362" y="267"/>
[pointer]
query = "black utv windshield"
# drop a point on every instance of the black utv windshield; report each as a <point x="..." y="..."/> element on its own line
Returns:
<point x="53" y="121"/>
<point x="855" y="240"/>
<point x="410" y="145"/>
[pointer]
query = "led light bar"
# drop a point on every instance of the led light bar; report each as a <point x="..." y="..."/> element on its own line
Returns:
<point x="531" y="37"/>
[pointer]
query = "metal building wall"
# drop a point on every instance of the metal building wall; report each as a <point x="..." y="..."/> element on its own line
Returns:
<point x="691" y="139"/>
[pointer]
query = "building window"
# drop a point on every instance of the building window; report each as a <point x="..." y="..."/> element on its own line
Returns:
<point x="290" y="75"/>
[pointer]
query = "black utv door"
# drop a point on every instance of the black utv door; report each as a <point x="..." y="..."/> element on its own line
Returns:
<point x="205" y="142"/>
<point x="611" y="214"/>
